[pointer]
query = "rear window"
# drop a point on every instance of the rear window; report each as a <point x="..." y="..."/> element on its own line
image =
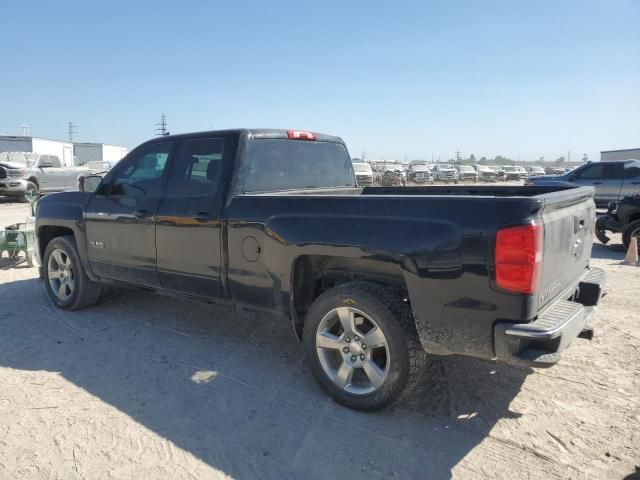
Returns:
<point x="279" y="164"/>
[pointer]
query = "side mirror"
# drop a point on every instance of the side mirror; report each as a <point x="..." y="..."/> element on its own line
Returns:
<point x="89" y="184"/>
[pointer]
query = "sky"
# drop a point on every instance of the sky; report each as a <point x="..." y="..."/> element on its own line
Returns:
<point x="405" y="80"/>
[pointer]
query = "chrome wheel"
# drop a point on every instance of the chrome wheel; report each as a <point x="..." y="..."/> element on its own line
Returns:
<point x="352" y="350"/>
<point x="60" y="272"/>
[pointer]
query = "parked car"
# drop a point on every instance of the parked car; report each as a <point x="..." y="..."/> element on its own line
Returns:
<point x="534" y="171"/>
<point x="500" y="174"/>
<point x="467" y="172"/>
<point x="419" y="173"/>
<point x="26" y="174"/>
<point x="554" y="170"/>
<point x="623" y="217"/>
<point x="513" y="172"/>
<point x="486" y="173"/>
<point x="612" y="180"/>
<point x="370" y="279"/>
<point x="364" y="174"/>
<point x="443" y="172"/>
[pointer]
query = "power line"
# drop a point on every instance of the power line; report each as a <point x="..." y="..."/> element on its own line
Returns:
<point x="71" y="131"/>
<point x="162" y="126"/>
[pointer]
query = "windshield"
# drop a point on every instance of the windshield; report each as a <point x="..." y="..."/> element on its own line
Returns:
<point x="445" y="167"/>
<point x="466" y="168"/>
<point x="279" y="164"/>
<point x="419" y="168"/>
<point x="510" y="169"/>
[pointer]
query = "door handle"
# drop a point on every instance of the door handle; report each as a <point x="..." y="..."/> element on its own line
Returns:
<point x="204" y="217"/>
<point x="142" y="214"/>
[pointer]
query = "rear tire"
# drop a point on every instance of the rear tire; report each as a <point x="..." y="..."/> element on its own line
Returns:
<point x="380" y="352"/>
<point x="631" y="230"/>
<point x="65" y="280"/>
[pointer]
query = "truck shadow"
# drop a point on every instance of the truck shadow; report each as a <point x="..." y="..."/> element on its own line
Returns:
<point x="233" y="390"/>
<point x="613" y="250"/>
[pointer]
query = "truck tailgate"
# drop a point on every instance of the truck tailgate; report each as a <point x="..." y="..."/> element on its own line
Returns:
<point x="568" y="219"/>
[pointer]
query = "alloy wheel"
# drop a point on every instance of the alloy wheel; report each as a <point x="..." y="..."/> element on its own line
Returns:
<point x="352" y="350"/>
<point x="60" y="273"/>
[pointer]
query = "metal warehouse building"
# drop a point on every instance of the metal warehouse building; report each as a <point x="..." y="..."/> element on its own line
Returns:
<point x="628" y="154"/>
<point x="94" y="152"/>
<point x="63" y="150"/>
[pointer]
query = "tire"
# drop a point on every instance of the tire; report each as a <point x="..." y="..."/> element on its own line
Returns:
<point x="61" y="255"/>
<point x="633" y="229"/>
<point x="31" y="190"/>
<point x="379" y="375"/>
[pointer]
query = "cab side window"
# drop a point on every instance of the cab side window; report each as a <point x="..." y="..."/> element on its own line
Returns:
<point x="141" y="175"/>
<point x="55" y="161"/>
<point x="600" y="171"/>
<point x="632" y="170"/>
<point x="198" y="168"/>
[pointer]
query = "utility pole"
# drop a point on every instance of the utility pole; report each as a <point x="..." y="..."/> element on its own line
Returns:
<point x="569" y="156"/>
<point x="458" y="156"/>
<point x="72" y="130"/>
<point x="162" y="126"/>
<point x="363" y="155"/>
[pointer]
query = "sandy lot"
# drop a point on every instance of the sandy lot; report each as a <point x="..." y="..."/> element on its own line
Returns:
<point x="147" y="387"/>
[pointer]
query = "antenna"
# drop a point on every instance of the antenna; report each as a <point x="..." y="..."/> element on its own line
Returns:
<point x="72" y="130"/>
<point x="162" y="126"/>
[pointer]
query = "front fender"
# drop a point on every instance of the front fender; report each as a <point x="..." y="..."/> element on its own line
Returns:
<point x="64" y="210"/>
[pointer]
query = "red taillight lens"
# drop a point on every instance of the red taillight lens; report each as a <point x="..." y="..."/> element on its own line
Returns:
<point x="519" y="258"/>
<point x="300" y="135"/>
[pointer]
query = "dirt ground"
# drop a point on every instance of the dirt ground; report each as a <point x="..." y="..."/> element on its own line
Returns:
<point x="146" y="387"/>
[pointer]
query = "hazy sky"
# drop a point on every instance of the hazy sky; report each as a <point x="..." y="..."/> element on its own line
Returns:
<point x="392" y="78"/>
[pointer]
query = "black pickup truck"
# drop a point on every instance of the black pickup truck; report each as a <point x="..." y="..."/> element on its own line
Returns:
<point x="372" y="279"/>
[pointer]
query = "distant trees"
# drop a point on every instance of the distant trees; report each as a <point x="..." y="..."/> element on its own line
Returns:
<point x="559" y="161"/>
<point x="500" y="160"/>
<point x="472" y="158"/>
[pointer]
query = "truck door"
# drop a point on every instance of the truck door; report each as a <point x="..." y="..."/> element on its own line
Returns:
<point x="120" y="216"/>
<point x="189" y="228"/>
<point x="53" y="175"/>
<point x="631" y="185"/>
<point x="605" y="177"/>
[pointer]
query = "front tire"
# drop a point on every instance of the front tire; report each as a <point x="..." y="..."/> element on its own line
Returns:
<point x="361" y="342"/>
<point x="31" y="192"/>
<point x="65" y="280"/>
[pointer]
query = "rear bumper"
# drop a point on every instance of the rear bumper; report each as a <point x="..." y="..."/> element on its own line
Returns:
<point x="541" y="342"/>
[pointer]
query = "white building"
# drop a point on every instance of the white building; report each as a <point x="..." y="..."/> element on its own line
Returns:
<point x="628" y="154"/>
<point x="98" y="152"/>
<point x="63" y="150"/>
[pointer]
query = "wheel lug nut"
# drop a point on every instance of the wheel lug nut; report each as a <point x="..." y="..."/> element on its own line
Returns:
<point x="353" y="358"/>
<point x="345" y="349"/>
<point x="362" y="356"/>
<point x="364" y="347"/>
<point x="348" y="339"/>
<point x="356" y="338"/>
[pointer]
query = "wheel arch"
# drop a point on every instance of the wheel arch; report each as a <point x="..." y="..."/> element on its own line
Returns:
<point x="312" y="275"/>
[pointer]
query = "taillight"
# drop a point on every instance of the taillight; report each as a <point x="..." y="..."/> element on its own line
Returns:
<point x="300" y="135"/>
<point x="519" y="258"/>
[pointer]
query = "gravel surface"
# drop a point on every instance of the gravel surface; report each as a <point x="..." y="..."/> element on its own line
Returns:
<point x="146" y="387"/>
